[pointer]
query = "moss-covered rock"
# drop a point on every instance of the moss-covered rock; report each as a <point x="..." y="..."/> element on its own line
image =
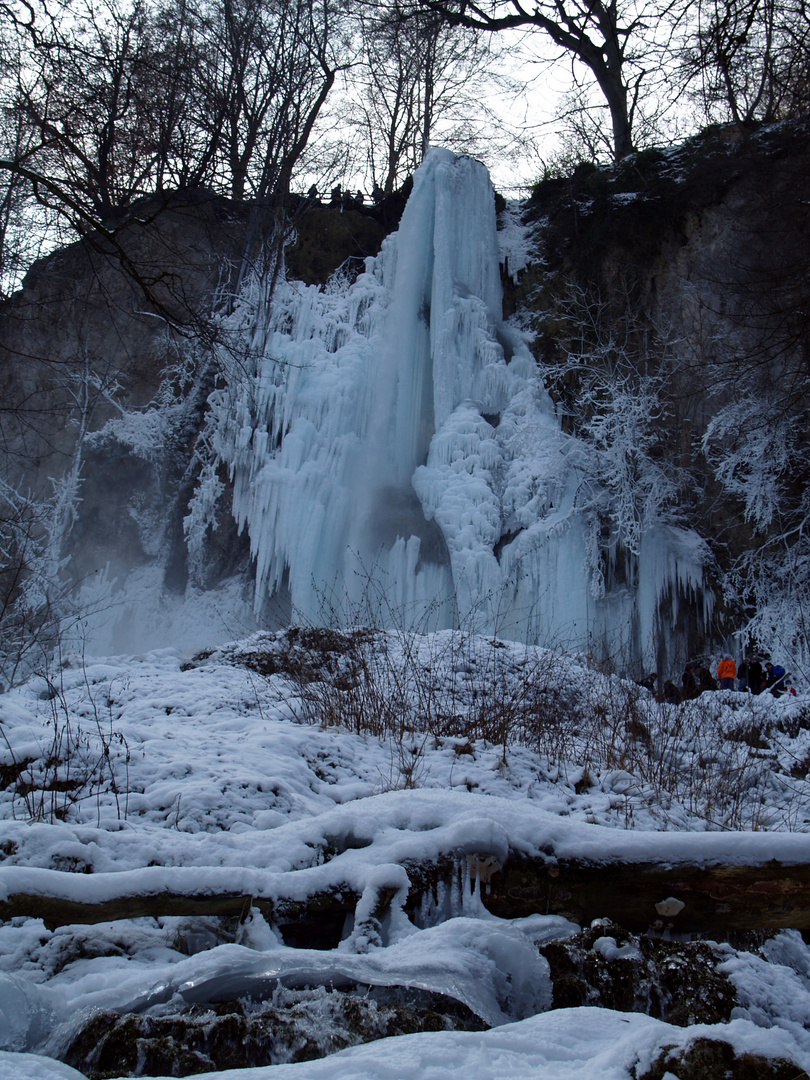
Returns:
<point x="629" y="212"/>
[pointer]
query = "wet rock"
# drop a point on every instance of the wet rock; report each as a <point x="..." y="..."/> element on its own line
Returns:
<point x="294" y="1025"/>
<point x="671" y="980"/>
<point x="714" y="1058"/>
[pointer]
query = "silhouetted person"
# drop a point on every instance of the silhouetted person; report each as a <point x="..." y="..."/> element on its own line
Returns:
<point x="648" y="682"/>
<point x="705" y="679"/>
<point x="690" y="683"/>
<point x="775" y="679"/>
<point x="742" y="675"/>
<point x="672" y="695"/>
<point x="755" y="675"/>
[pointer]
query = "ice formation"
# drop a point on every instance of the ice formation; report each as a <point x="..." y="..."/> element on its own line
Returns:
<point x="396" y="459"/>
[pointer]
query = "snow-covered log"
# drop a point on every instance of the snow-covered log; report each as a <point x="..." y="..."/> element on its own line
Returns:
<point x="683" y="896"/>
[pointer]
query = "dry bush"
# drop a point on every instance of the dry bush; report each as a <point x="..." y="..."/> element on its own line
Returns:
<point x="713" y="758"/>
<point x="409" y="687"/>
<point x="78" y="761"/>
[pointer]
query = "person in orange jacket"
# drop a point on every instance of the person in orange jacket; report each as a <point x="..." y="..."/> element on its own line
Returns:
<point x="726" y="673"/>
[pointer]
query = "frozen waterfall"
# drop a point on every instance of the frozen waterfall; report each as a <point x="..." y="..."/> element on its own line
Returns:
<point x="396" y="459"/>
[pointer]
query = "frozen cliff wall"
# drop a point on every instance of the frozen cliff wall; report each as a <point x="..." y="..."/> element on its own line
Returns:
<point x="104" y="389"/>
<point x="395" y="456"/>
<point x="684" y="274"/>
<point x="390" y="442"/>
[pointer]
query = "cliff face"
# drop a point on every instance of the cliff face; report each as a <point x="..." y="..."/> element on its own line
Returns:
<point x="87" y="342"/>
<point x="692" y="267"/>
<point x="689" y="266"/>
<point x="107" y="357"/>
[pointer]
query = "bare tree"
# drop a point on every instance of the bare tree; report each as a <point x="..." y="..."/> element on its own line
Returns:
<point x="118" y="101"/>
<point x="419" y="75"/>
<point x="20" y="238"/>
<point x="749" y="60"/>
<point x="263" y="76"/>
<point x="178" y="53"/>
<point x="84" y="96"/>
<point x="620" y="42"/>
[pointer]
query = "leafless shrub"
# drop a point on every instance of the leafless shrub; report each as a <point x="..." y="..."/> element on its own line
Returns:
<point x="79" y="760"/>
<point x="408" y="688"/>
<point x="714" y="757"/>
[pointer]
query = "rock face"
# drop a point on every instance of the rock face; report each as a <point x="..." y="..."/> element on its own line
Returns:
<point x="694" y="263"/>
<point x="106" y="333"/>
<point x="676" y="981"/>
<point x="601" y="966"/>
<point x="697" y="256"/>
<point x="85" y="342"/>
<point x="712" y="1057"/>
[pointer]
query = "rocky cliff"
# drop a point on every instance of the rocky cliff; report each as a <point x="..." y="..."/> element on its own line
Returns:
<point x="687" y="267"/>
<point x="105" y="368"/>
<point x="690" y="268"/>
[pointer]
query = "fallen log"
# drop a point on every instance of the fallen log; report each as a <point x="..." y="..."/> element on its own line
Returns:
<point x="61" y="911"/>
<point x="636" y="895"/>
<point x="309" y="920"/>
<point x="646" y="896"/>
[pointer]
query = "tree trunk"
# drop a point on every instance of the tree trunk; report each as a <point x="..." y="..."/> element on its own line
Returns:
<point x="641" y="897"/>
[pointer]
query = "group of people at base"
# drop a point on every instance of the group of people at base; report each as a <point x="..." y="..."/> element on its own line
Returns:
<point x="754" y="676"/>
<point x="750" y="676"/>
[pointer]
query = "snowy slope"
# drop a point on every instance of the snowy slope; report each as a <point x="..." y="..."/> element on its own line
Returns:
<point x="218" y="777"/>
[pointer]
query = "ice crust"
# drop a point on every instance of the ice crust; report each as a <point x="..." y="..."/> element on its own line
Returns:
<point x="395" y="457"/>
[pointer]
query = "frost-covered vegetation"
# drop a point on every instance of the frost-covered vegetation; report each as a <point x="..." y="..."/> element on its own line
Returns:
<point x="683" y="366"/>
<point x="350" y="800"/>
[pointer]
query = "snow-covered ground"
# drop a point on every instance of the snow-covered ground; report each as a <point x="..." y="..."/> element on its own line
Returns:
<point x="229" y="774"/>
